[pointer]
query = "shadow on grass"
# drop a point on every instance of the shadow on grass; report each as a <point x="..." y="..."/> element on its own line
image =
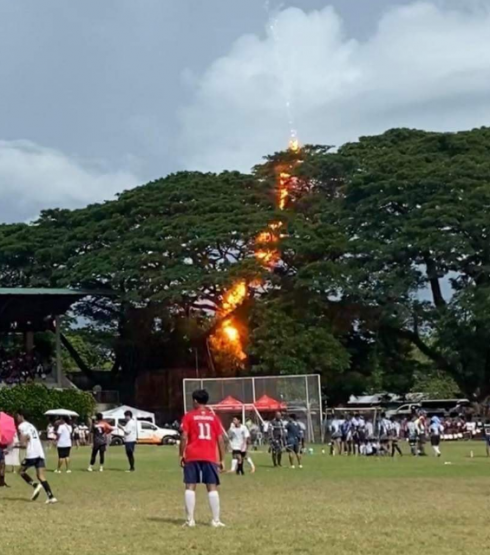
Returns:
<point x="96" y="471"/>
<point x="162" y="520"/>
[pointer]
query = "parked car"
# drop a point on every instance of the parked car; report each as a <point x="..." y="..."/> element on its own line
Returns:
<point x="433" y="407"/>
<point x="148" y="433"/>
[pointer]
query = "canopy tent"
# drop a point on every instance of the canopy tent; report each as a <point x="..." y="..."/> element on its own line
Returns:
<point x="118" y="413"/>
<point x="230" y="404"/>
<point x="268" y="404"/>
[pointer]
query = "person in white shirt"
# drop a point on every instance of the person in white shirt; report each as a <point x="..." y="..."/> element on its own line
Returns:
<point x="64" y="444"/>
<point x="336" y="435"/>
<point x="51" y="433"/>
<point x="238" y="435"/>
<point x="130" y="430"/>
<point x="29" y="437"/>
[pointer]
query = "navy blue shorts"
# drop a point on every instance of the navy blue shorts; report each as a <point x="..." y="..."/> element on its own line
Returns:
<point x="293" y="447"/>
<point x="200" y="472"/>
<point x="33" y="463"/>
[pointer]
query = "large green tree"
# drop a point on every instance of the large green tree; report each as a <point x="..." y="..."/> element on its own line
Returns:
<point x="417" y="211"/>
<point x="166" y="251"/>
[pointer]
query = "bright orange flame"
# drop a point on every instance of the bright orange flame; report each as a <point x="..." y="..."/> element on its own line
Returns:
<point x="231" y="332"/>
<point x="265" y="237"/>
<point x="235" y="296"/>
<point x="232" y="336"/>
<point x="268" y="257"/>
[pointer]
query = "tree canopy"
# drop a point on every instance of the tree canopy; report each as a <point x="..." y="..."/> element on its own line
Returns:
<point x="382" y="278"/>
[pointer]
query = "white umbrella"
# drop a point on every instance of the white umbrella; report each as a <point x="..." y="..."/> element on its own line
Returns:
<point x="60" y="412"/>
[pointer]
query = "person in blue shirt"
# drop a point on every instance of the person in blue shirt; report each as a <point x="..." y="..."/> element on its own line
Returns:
<point x="435" y="430"/>
<point x="293" y="441"/>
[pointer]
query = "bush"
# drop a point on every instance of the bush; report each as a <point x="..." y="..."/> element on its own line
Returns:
<point x="35" y="399"/>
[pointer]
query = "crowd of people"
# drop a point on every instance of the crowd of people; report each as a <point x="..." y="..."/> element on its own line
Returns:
<point x="21" y="367"/>
<point x="203" y="444"/>
<point x="356" y="434"/>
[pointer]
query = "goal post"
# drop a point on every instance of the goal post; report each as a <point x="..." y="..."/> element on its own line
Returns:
<point x="263" y="396"/>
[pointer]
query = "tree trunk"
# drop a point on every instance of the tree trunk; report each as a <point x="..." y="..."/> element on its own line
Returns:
<point x="77" y="358"/>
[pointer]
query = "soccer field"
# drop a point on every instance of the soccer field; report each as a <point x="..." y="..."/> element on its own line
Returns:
<point x="334" y="505"/>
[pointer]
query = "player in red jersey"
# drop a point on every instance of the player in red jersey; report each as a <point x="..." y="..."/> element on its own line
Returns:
<point x="202" y="454"/>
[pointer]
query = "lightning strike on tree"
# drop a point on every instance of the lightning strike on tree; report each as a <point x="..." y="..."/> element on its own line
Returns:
<point x="227" y="334"/>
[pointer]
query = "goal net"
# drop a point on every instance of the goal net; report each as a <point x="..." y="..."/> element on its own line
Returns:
<point x="259" y="398"/>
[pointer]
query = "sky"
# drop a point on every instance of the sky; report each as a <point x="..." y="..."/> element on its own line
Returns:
<point x="97" y="97"/>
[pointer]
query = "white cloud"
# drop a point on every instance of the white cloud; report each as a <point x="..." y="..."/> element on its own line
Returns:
<point x="426" y="66"/>
<point x="33" y="177"/>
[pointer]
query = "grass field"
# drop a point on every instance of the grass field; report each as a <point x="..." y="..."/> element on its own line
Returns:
<point x="334" y="505"/>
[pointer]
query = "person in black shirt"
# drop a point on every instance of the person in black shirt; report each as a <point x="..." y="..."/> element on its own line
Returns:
<point x="293" y="441"/>
<point x="276" y="439"/>
<point x="100" y="432"/>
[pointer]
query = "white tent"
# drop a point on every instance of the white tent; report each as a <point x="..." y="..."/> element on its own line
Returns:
<point x="118" y="413"/>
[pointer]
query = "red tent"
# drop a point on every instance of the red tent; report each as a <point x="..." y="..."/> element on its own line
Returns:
<point x="268" y="404"/>
<point x="230" y="404"/>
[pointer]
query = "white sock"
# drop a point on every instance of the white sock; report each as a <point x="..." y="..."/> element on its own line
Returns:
<point x="250" y="462"/>
<point x="437" y="450"/>
<point x="234" y="464"/>
<point x="214" y="504"/>
<point x="190" y="503"/>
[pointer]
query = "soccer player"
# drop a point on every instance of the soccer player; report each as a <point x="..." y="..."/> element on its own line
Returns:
<point x="202" y="454"/>
<point x="385" y="430"/>
<point x="435" y="429"/>
<point x="347" y="435"/>
<point x="238" y="435"/>
<point x="130" y="430"/>
<point x="293" y="442"/>
<point x="64" y="444"/>
<point x="395" y="436"/>
<point x="277" y="434"/>
<point x="100" y="432"/>
<point x="486" y="435"/>
<point x="245" y="454"/>
<point x="335" y="436"/>
<point x="412" y="433"/>
<point x="29" y="437"/>
<point x="420" y="422"/>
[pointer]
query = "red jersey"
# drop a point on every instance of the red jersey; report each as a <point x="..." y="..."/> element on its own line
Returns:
<point x="203" y="429"/>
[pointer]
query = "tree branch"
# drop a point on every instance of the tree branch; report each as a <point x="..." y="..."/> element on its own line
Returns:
<point x="435" y="285"/>
<point x="77" y="358"/>
<point x="428" y="351"/>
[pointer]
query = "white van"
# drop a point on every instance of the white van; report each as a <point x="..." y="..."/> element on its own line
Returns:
<point x="148" y="433"/>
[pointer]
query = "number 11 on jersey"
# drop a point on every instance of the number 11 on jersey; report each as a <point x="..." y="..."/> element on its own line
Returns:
<point x="204" y="430"/>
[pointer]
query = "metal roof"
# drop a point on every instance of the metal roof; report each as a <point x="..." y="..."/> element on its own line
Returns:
<point x="23" y="309"/>
<point x="20" y="291"/>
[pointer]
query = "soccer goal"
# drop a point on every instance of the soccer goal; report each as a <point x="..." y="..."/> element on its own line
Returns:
<point x="259" y="398"/>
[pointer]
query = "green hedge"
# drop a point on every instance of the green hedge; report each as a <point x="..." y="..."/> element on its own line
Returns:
<point x="35" y="399"/>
